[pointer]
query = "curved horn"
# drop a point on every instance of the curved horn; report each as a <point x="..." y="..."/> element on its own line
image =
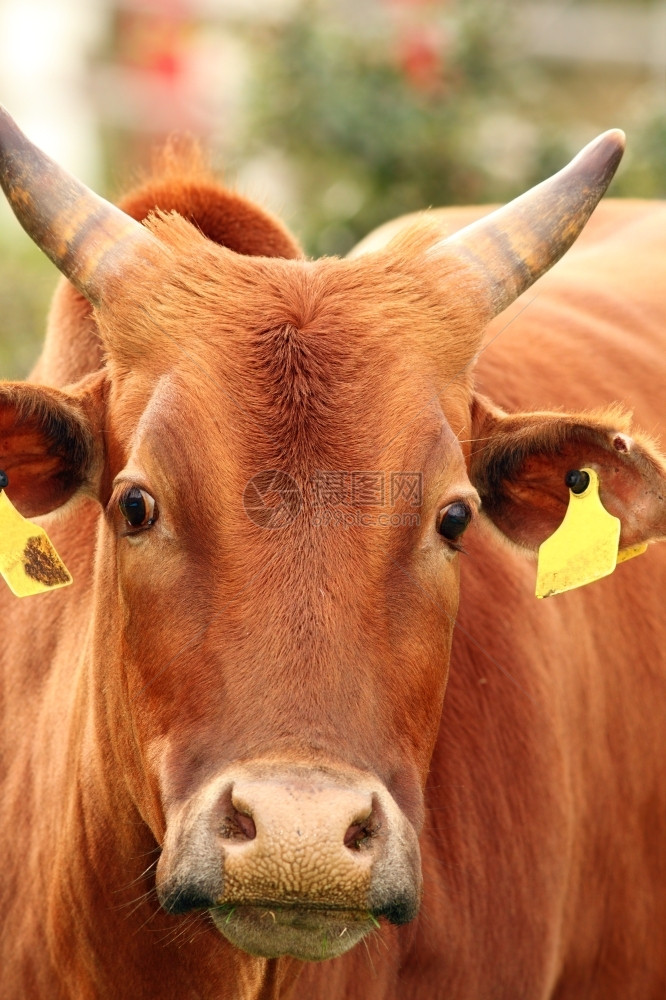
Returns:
<point x="81" y="232"/>
<point x="515" y="245"/>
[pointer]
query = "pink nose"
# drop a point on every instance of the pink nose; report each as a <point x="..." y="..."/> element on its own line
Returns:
<point x="298" y="842"/>
<point x="281" y="854"/>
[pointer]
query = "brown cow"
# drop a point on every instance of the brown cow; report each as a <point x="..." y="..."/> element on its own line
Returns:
<point x="224" y="745"/>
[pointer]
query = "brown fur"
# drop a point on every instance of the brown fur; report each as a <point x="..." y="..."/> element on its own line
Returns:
<point x="182" y="182"/>
<point x="213" y="640"/>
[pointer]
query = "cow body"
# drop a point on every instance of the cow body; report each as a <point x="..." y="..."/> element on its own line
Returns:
<point x="542" y="837"/>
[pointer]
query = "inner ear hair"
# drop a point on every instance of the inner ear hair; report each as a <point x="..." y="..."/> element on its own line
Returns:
<point x="519" y="464"/>
<point x="503" y="442"/>
<point x="47" y="443"/>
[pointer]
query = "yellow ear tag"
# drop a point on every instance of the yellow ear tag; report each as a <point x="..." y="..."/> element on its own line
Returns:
<point x="585" y="546"/>
<point x="28" y="561"/>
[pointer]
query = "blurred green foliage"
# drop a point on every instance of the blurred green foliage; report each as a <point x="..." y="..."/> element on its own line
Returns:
<point x="378" y="118"/>
<point x="644" y="174"/>
<point x="383" y="107"/>
<point x="28" y="281"/>
<point x="408" y="105"/>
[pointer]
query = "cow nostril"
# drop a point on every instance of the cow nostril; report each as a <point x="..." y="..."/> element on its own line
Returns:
<point x="359" y="835"/>
<point x="246" y="825"/>
<point x="237" y="826"/>
<point x="355" y="837"/>
<point x="365" y="828"/>
<point x="232" y="819"/>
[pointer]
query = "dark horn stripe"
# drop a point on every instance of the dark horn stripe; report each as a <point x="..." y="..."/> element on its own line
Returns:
<point x="515" y="245"/>
<point x="81" y="233"/>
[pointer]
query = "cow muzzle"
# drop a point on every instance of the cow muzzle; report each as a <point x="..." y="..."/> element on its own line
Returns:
<point x="293" y="861"/>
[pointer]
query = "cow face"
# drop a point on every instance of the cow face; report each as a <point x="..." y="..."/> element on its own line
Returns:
<point x="262" y="684"/>
<point x="292" y="705"/>
<point x="272" y="611"/>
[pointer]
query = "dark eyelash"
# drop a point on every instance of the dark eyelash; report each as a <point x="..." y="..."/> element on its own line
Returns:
<point x="137" y="531"/>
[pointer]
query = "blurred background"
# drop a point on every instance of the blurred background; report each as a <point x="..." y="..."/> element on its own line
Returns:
<point x="336" y="114"/>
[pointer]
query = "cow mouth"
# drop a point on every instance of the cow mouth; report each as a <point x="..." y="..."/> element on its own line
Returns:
<point x="310" y="935"/>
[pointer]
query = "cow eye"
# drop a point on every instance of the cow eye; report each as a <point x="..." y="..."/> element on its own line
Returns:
<point x="138" y="508"/>
<point x="453" y="520"/>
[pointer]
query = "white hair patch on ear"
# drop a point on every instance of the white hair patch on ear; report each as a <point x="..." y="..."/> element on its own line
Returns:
<point x="622" y="442"/>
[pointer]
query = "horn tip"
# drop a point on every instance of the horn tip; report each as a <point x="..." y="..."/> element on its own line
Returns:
<point x="609" y="147"/>
<point x="614" y="137"/>
<point x="599" y="159"/>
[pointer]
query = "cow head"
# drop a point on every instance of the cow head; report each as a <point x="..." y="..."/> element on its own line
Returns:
<point x="268" y="649"/>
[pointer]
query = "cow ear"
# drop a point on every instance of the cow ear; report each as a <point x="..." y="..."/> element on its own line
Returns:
<point x="49" y="442"/>
<point x="519" y="463"/>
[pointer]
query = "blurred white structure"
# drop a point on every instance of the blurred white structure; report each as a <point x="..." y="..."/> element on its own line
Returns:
<point x="45" y="47"/>
<point x="623" y="33"/>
